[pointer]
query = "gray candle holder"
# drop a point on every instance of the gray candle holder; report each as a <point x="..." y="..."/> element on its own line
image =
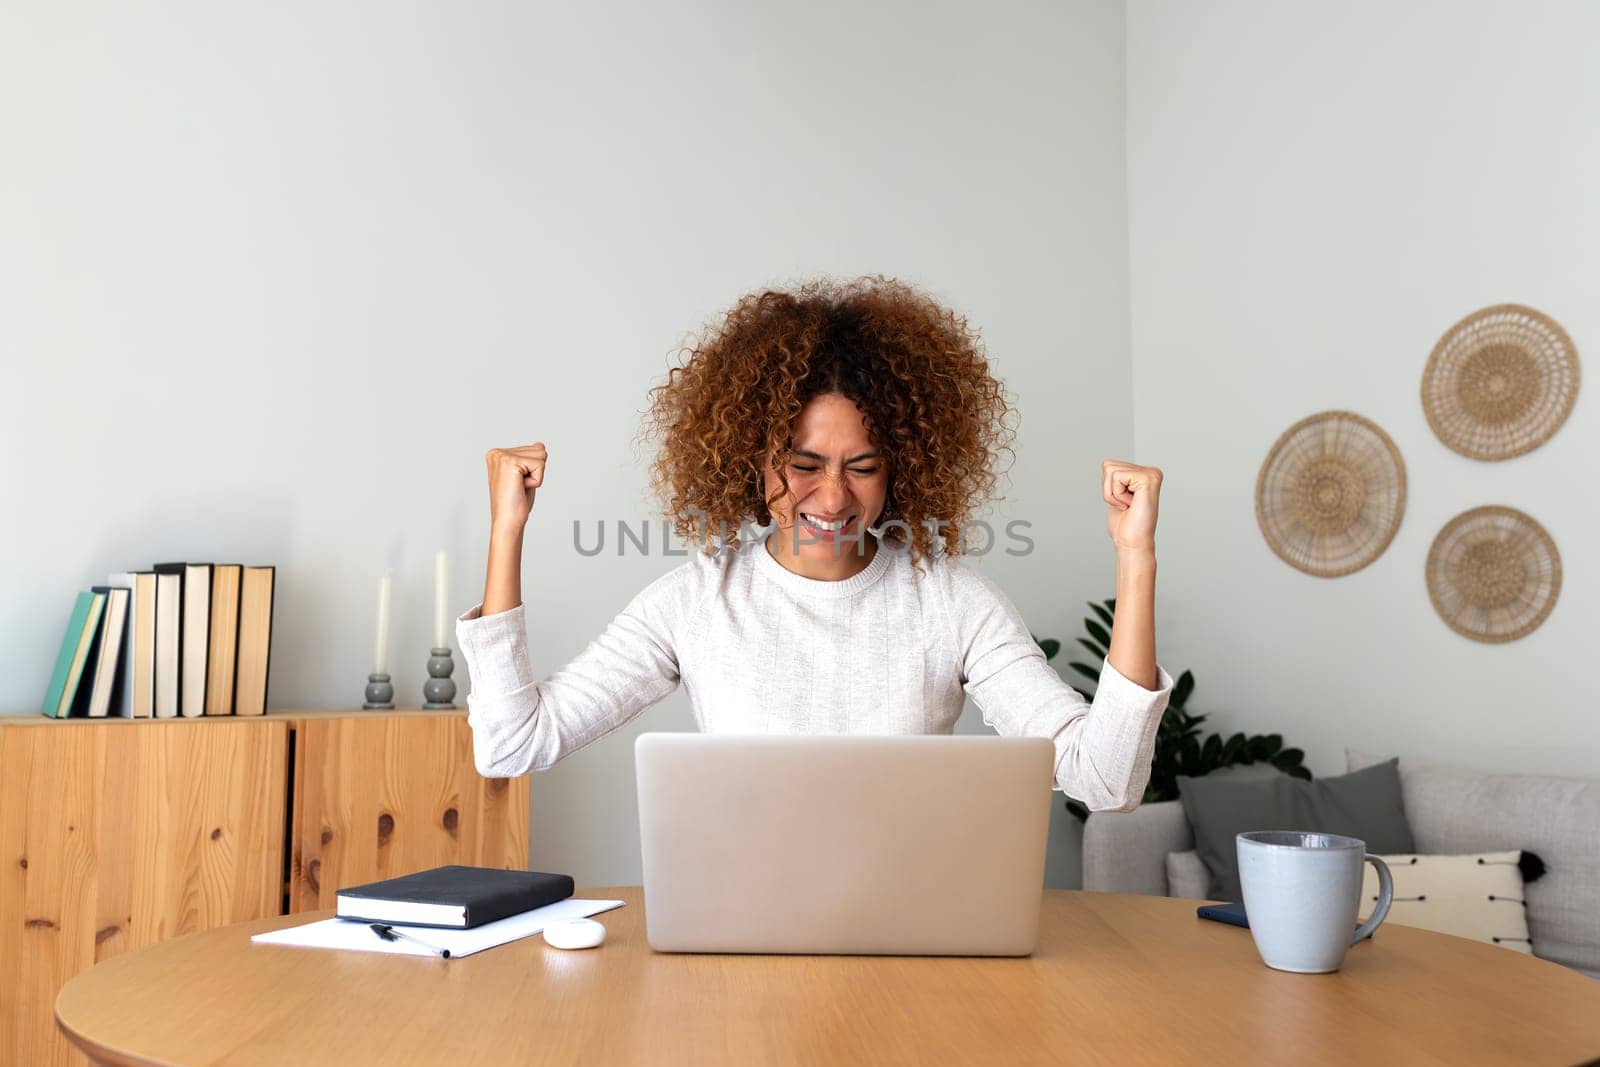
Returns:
<point x="439" y="690"/>
<point x="380" y="694"/>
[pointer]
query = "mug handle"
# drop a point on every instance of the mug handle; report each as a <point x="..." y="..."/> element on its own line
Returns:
<point x="1385" y="898"/>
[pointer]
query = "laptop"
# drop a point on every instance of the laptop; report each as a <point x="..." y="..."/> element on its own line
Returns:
<point x="915" y="846"/>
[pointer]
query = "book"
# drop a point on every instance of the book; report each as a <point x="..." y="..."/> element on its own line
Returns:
<point x="255" y="640"/>
<point x="223" y="646"/>
<point x="107" y="660"/>
<point x="69" y="665"/>
<point x="454" y="897"/>
<point x="168" y="639"/>
<point x="359" y="937"/>
<point x="136" y="694"/>
<point x="196" y="637"/>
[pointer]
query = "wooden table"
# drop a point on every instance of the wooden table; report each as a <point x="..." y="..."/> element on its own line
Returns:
<point x="1116" y="979"/>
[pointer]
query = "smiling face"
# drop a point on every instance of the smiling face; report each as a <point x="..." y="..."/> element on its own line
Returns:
<point x="838" y="483"/>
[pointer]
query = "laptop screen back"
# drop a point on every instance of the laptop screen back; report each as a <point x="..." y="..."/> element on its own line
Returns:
<point x="864" y="845"/>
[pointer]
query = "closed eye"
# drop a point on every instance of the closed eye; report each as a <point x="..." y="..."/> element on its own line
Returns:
<point x="866" y="471"/>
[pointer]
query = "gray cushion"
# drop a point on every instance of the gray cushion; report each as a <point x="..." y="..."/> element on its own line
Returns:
<point x="1125" y="851"/>
<point x="1187" y="875"/>
<point x="1555" y="818"/>
<point x="1365" y="804"/>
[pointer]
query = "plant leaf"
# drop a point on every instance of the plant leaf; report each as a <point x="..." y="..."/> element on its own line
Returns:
<point x="1181" y="689"/>
<point x="1105" y="616"/>
<point x="1265" y="746"/>
<point x="1085" y="670"/>
<point x="1049" y="646"/>
<point x="1111" y="605"/>
<point x="1098" y="632"/>
<point x="1092" y="647"/>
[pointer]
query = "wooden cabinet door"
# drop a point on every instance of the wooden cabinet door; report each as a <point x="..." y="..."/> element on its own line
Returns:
<point x="117" y="835"/>
<point x="377" y="796"/>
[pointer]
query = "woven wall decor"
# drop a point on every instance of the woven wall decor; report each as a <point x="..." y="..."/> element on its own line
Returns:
<point x="1500" y="382"/>
<point x="1493" y="574"/>
<point x="1330" y="494"/>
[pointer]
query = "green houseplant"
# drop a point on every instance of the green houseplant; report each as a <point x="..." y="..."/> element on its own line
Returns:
<point x="1179" y="746"/>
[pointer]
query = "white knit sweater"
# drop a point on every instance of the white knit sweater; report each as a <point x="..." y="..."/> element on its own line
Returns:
<point x="763" y="650"/>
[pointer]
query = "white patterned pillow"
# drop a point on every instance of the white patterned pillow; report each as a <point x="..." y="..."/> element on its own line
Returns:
<point x="1479" y="896"/>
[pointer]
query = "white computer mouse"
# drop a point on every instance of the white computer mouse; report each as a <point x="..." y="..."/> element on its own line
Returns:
<point x="575" y="933"/>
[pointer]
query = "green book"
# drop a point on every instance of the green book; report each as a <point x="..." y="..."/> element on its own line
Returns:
<point x="74" y="651"/>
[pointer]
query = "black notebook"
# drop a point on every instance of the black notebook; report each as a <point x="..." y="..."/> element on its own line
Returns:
<point x="454" y="897"/>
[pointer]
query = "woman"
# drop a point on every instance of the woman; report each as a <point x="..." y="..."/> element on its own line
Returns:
<point x="858" y="425"/>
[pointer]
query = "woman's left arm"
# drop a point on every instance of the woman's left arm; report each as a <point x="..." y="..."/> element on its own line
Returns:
<point x="1103" y="749"/>
<point x="1133" y="497"/>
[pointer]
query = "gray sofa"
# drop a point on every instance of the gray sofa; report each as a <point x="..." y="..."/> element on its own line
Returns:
<point x="1151" y="850"/>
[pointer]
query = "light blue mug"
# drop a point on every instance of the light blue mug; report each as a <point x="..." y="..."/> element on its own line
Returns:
<point x="1301" y="895"/>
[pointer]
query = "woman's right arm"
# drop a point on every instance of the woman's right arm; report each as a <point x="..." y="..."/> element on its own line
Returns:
<point x="519" y="724"/>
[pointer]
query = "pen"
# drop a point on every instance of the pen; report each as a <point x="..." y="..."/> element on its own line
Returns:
<point x="389" y="933"/>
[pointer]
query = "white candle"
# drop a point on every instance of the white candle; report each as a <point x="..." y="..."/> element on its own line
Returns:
<point x="380" y="656"/>
<point x="440" y="595"/>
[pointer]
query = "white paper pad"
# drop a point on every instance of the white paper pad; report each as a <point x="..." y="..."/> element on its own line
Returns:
<point x="347" y="933"/>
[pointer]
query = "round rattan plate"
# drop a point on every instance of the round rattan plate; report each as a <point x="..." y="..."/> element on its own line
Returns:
<point x="1500" y="382"/>
<point x="1493" y="574"/>
<point x="1330" y="494"/>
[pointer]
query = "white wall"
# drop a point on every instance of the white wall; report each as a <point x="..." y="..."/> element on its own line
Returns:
<point x="1316" y="192"/>
<point x="274" y="278"/>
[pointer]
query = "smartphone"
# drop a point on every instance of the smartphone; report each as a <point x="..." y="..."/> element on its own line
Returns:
<point x="1232" y="914"/>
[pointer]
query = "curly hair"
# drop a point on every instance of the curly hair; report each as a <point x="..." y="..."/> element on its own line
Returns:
<point x="915" y="369"/>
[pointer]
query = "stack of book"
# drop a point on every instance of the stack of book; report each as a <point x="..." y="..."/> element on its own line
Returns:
<point x="179" y="640"/>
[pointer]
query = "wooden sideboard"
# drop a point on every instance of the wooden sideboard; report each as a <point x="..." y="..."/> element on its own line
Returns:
<point x="117" y="833"/>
